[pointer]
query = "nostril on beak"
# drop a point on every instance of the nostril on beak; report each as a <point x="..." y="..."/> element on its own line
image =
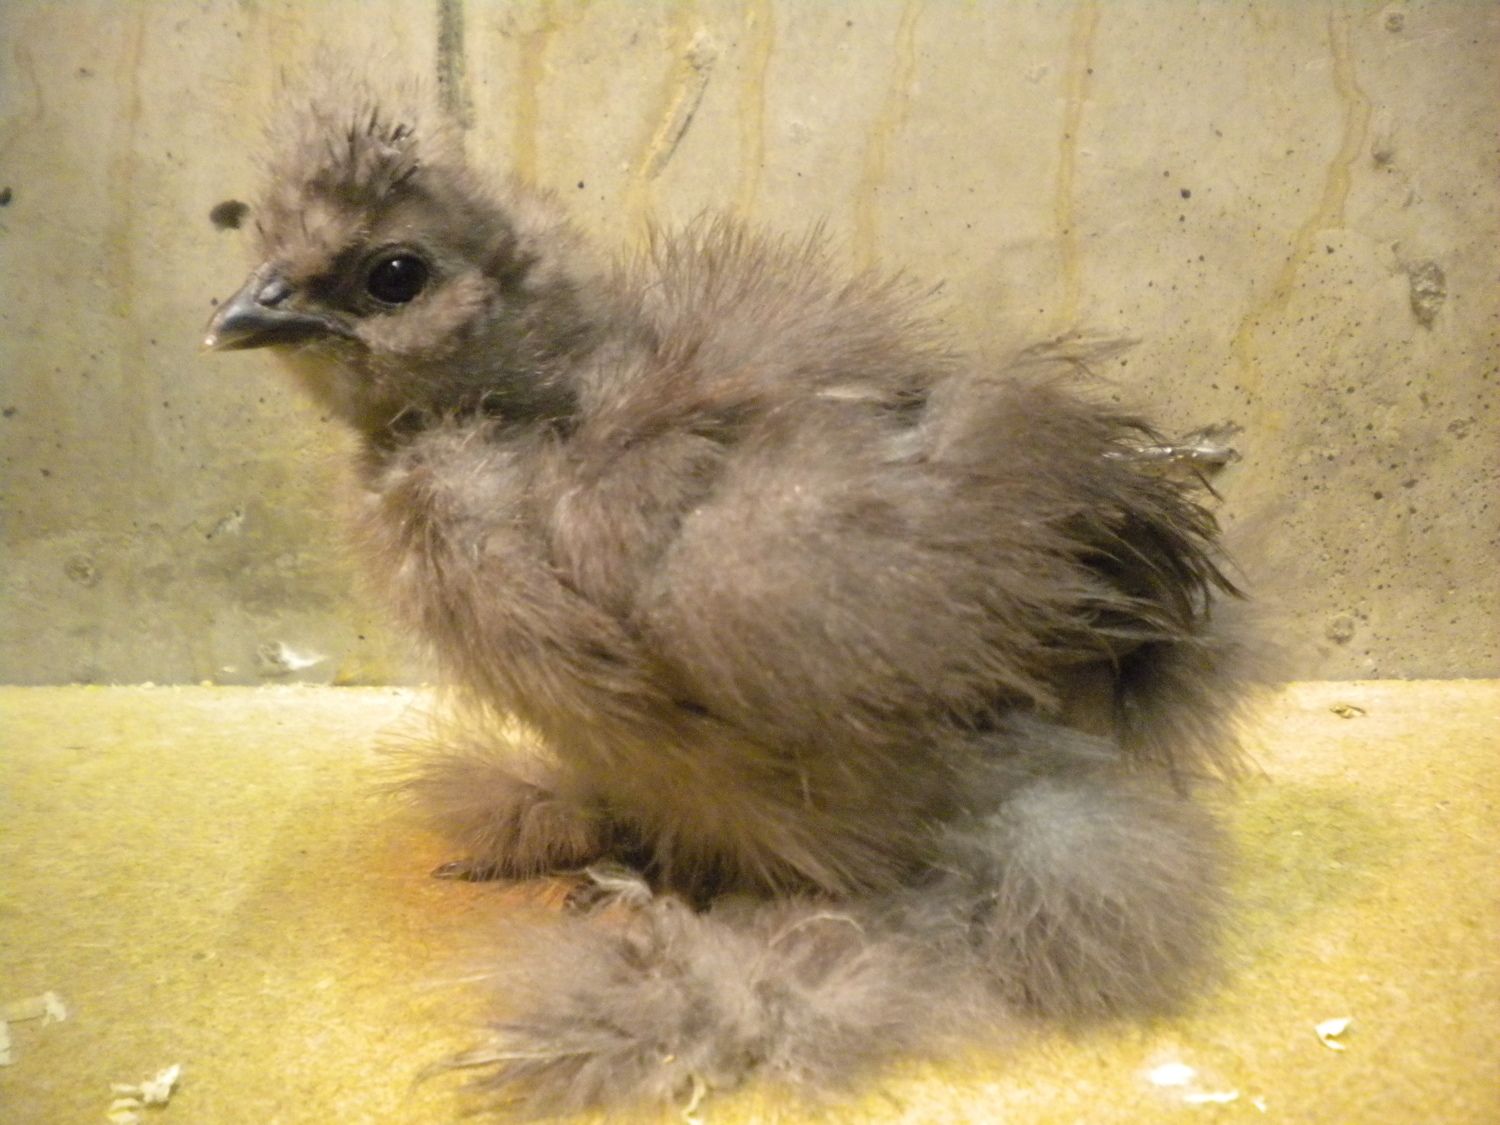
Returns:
<point x="265" y="312"/>
<point x="273" y="293"/>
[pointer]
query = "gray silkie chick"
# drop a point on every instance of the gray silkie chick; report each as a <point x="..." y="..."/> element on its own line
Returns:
<point x="887" y="671"/>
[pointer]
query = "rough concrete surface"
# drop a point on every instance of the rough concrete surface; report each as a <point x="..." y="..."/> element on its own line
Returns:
<point x="204" y="877"/>
<point x="1294" y="207"/>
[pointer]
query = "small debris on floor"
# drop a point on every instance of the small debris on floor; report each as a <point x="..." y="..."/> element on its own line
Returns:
<point x="1215" y="1097"/>
<point x="48" y="1007"/>
<point x="1330" y="1030"/>
<point x="1171" y="1074"/>
<point x="278" y="659"/>
<point x="1177" y="1074"/>
<point x="131" y="1099"/>
<point x="1348" y="710"/>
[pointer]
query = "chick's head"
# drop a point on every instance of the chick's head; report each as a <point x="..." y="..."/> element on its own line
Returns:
<point x="396" y="283"/>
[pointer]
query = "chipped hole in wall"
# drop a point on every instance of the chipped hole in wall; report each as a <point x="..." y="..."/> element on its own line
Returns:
<point x="228" y="525"/>
<point x="83" y="570"/>
<point x="1341" y="629"/>
<point x="1429" y="289"/>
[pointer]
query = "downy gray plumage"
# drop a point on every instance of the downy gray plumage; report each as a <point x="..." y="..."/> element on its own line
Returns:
<point x="890" y="672"/>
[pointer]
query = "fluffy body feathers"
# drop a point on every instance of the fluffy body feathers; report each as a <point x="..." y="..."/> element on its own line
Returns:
<point x="888" y="671"/>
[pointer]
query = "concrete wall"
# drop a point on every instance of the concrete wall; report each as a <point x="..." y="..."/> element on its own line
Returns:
<point x="1294" y="206"/>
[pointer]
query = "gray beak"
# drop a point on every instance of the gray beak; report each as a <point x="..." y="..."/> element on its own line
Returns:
<point x="264" y="313"/>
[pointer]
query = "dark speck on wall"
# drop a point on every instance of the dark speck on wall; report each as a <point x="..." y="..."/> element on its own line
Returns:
<point x="5" y="196"/>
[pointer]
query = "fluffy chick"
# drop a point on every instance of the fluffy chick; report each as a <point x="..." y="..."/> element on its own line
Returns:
<point x="913" y="655"/>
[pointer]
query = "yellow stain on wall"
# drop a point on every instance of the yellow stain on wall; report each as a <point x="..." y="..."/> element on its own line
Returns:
<point x="532" y="47"/>
<point x="141" y="443"/>
<point x="1064" y="212"/>
<point x="892" y="116"/>
<point x="760" y="37"/>
<point x="693" y="56"/>
<point x="1328" y="213"/>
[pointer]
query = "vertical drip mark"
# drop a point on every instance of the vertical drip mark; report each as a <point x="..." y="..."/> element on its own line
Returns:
<point x="693" y="56"/>
<point x="33" y="113"/>
<point x="1328" y="213"/>
<point x="877" y="153"/>
<point x="122" y="169"/>
<point x="1064" y="210"/>
<point x="141" y="447"/>
<point x="694" y="66"/>
<point x="760" y="35"/>
<point x="530" y="72"/>
<point x="452" y="72"/>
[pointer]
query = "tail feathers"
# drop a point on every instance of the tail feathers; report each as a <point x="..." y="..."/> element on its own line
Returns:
<point x="1179" y="705"/>
<point x="670" y="1005"/>
<point x="1086" y="894"/>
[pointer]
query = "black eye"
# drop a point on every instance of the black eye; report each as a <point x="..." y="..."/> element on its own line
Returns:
<point x="396" y="278"/>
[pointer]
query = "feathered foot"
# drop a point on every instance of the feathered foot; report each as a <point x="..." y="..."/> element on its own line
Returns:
<point x="674" y="1004"/>
<point x="1077" y="889"/>
<point x="508" y="820"/>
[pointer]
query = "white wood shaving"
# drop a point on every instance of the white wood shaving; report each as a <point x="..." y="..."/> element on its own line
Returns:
<point x="1171" y="1074"/>
<point x="158" y="1090"/>
<point x="1220" y="1097"/>
<point x="1329" y="1031"/>
<point x="130" y="1098"/>
<point x="48" y="1007"/>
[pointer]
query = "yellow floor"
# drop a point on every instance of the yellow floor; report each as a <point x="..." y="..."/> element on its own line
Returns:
<point x="205" y="878"/>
